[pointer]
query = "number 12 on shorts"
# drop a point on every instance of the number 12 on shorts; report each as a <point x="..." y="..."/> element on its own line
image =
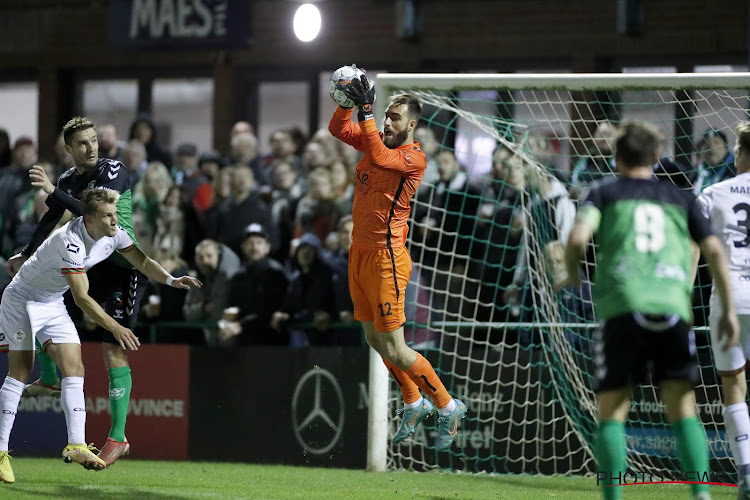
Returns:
<point x="385" y="309"/>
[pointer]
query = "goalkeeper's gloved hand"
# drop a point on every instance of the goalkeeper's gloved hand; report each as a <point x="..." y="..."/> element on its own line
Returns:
<point x="362" y="95"/>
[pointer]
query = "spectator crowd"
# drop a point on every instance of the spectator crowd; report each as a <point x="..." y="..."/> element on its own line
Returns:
<point x="269" y="235"/>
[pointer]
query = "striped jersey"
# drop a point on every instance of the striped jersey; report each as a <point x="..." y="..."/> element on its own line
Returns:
<point x="385" y="182"/>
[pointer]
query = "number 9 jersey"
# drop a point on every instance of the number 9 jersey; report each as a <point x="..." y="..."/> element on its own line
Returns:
<point x="726" y="205"/>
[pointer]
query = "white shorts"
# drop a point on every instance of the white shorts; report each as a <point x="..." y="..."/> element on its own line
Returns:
<point x="20" y="320"/>
<point x="732" y="360"/>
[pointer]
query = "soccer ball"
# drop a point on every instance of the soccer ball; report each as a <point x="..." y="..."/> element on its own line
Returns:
<point x="340" y="78"/>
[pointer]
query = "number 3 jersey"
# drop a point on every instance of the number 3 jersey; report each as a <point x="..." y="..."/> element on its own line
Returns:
<point x="643" y="229"/>
<point x="726" y="205"/>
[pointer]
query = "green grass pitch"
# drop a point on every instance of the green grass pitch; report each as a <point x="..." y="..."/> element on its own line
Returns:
<point x="141" y="479"/>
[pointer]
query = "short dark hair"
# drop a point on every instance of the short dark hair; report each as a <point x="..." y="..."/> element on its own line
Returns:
<point x="413" y="106"/>
<point x="76" y="124"/>
<point x="92" y="199"/>
<point x="743" y="135"/>
<point x="637" y="143"/>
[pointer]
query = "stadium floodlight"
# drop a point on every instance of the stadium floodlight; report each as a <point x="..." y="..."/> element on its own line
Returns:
<point x="525" y="369"/>
<point x="307" y="22"/>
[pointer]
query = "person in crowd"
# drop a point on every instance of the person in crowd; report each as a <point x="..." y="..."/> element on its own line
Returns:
<point x="283" y="147"/>
<point x="133" y="156"/>
<point x="216" y="265"/>
<point x="241" y="127"/>
<point x="30" y="207"/>
<point x="501" y="228"/>
<point x="599" y="161"/>
<point x="315" y="155"/>
<point x="14" y="181"/>
<point x="144" y="130"/>
<point x="311" y="296"/>
<point x="288" y="188"/>
<point x="431" y="147"/>
<point x="258" y="290"/>
<point x="316" y="211"/>
<point x="717" y="160"/>
<point x="170" y="226"/>
<point x="165" y="303"/>
<point x="147" y="197"/>
<point x="110" y="146"/>
<point x="448" y="214"/>
<point x="62" y="160"/>
<point x="221" y="192"/>
<point x="244" y="207"/>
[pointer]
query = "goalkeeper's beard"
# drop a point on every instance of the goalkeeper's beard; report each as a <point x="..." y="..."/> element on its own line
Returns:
<point x="396" y="140"/>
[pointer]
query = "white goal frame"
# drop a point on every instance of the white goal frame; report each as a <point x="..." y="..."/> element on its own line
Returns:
<point x="387" y="84"/>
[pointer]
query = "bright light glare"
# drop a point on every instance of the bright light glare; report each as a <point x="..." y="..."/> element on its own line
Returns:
<point x="307" y="22"/>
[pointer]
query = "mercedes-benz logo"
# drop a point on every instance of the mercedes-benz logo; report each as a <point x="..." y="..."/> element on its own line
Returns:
<point x="317" y="378"/>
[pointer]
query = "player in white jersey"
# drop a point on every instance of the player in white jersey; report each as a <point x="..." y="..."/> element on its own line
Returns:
<point x="726" y="204"/>
<point x="32" y="306"/>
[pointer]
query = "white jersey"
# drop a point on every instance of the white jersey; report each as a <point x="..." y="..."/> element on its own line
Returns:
<point x="726" y="204"/>
<point x="69" y="250"/>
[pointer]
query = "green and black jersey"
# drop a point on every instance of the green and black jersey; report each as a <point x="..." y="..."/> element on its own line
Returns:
<point x="643" y="229"/>
<point x="106" y="174"/>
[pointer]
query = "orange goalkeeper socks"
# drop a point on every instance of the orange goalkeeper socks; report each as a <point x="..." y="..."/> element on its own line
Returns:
<point x="422" y="373"/>
<point x="409" y="390"/>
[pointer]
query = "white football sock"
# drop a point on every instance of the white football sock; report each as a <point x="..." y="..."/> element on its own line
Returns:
<point x="737" y="423"/>
<point x="74" y="406"/>
<point x="448" y="408"/>
<point x="414" y="404"/>
<point x="10" y="395"/>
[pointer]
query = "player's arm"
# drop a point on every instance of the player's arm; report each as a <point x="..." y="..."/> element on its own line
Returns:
<point x="154" y="271"/>
<point x="718" y="264"/>
<point x="78" y="282"/>
<point x="713" y="253"/>
<point x="585" y="225"/>
<point x="342" y="128"/>
<point x="40" y="180"/>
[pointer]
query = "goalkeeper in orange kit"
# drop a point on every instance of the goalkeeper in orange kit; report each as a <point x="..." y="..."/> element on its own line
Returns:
<point x="379" y="264"/>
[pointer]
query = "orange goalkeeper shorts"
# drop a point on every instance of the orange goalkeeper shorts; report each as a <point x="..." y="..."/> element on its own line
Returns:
<point x="377" y="283"/>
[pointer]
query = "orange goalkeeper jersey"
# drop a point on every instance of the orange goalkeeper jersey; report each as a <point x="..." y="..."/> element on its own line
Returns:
<point x="385" y="182"/>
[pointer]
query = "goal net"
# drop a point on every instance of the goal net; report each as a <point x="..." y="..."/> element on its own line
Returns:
<point x="508" y="158"/>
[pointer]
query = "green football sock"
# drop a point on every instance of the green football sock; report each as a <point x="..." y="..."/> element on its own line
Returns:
<point x="611" y="456"/>
<point x="47" y="368"/>
<point x="693" y="450"/>
<point x="120" y="383"/>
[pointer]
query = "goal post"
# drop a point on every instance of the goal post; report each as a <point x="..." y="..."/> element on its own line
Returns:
<point x="523" y="361"/>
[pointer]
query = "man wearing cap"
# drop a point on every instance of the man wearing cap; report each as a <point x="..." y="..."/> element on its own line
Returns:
<point x="718" y="160"/>
<point x="257" y="291"/>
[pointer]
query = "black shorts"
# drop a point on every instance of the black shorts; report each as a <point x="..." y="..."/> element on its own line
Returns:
<point x="119" y="291"/>
<point x="638" y="348"/>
